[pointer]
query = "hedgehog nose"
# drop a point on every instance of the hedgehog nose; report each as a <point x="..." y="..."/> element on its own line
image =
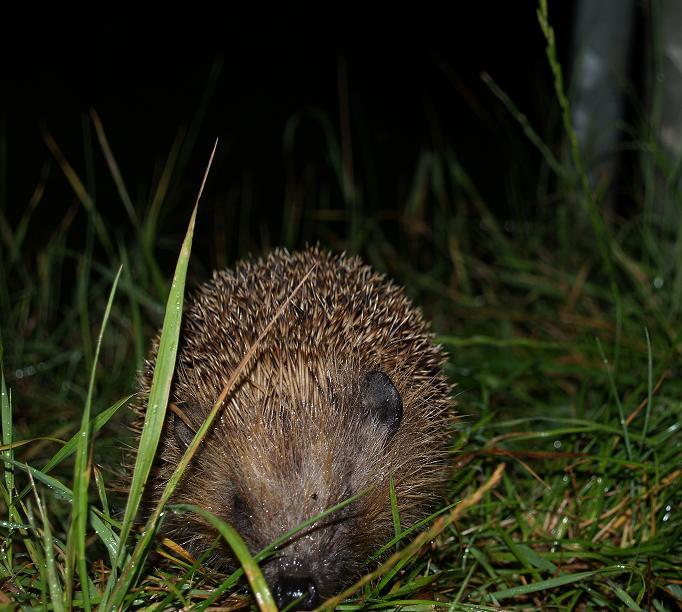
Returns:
<point x="303" y="589"/>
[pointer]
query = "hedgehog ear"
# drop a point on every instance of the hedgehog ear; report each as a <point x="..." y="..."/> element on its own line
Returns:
<point x="183" y="433"/>
<point x="381" y="401"/>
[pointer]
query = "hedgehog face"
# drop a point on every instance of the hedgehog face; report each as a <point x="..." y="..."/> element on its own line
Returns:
<point x="269" y="486"/>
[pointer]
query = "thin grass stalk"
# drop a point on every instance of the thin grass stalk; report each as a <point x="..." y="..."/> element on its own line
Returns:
<point x="596" y="219"/>
<point x="114" y="170"/>
<point x="76" y="543"/>
<point x="81" y="193"/>
<point x="54" y="584"/>
<point x="7" y="437"/>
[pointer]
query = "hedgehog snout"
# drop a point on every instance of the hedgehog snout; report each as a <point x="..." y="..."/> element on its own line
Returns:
<point x="291" y="588"/>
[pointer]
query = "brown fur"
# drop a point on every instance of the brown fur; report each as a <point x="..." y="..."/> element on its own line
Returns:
<point x="290" y="440"/>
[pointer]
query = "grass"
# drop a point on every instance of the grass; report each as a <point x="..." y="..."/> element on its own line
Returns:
<point x="565" y="343"/>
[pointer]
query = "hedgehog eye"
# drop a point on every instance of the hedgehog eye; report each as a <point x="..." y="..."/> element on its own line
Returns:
<point x="183" y="434"/>
<point x="381" y="401"/>
<point x="240" y="515"/>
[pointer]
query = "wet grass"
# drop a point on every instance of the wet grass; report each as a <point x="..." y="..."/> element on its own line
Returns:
<point x="564" y="338"/>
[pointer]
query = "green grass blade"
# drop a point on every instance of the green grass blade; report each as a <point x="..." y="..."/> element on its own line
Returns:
<point x="623" y="595"/>
<point x="37" y="554"/>
<point x="160" y="388"/>
<point x="96" y="424"/>
<point x="101" y="491"/>
<point x="156" y="411"/>
<point x="241" y="552"/>
<point x="616" y="397"/>
<point x="273" y="546"/>
<point x="650" y="387"/>
<point x="395" y="511"/>
<point x="108" y="537"/>
<point x="6" y="424"/>
<point x="54" y="585"/>
<point x="552" y="583"/>
<point x="69" y="447"/>
<point x="76" y="547"/>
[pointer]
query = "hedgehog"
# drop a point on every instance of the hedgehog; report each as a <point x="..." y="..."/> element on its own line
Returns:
<point x="344" y="395"/>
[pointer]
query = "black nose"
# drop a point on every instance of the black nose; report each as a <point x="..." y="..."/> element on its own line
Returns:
<point x="292" y="588"/>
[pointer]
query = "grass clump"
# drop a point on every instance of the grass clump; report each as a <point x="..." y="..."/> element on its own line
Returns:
<point x="565" y="489"/>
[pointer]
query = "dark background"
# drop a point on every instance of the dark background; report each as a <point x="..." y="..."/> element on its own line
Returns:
<point x="413" y="83"/>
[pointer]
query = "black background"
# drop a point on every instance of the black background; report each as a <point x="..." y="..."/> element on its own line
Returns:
<point x="413" y="82"/>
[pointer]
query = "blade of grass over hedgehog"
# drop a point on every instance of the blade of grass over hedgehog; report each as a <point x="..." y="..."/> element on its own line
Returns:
<point x="253" y="574"/>
<point x="413" y="547"/>
<point x="158" y="396"/>
<point x="128" y="574"/>
<point x="395" y="512"/>
<point x="272" y="547"/>
<point x="81" y="479"/>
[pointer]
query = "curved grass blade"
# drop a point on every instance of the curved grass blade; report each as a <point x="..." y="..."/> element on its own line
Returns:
<point x="248" y="563"/>
<point x="95" y="425"/>
<point x="558" y="581"/>
<point x="270" y="548"/>
<point x="69" y="447"/>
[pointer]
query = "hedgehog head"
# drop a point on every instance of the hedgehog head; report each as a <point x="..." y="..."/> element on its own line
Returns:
<point x="344" y="395"/>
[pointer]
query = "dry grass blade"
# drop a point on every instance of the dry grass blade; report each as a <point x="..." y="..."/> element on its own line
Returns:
<point x="436" y="529"/>
<point x="114" y="169"/>
<point x="81" y="193"/>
